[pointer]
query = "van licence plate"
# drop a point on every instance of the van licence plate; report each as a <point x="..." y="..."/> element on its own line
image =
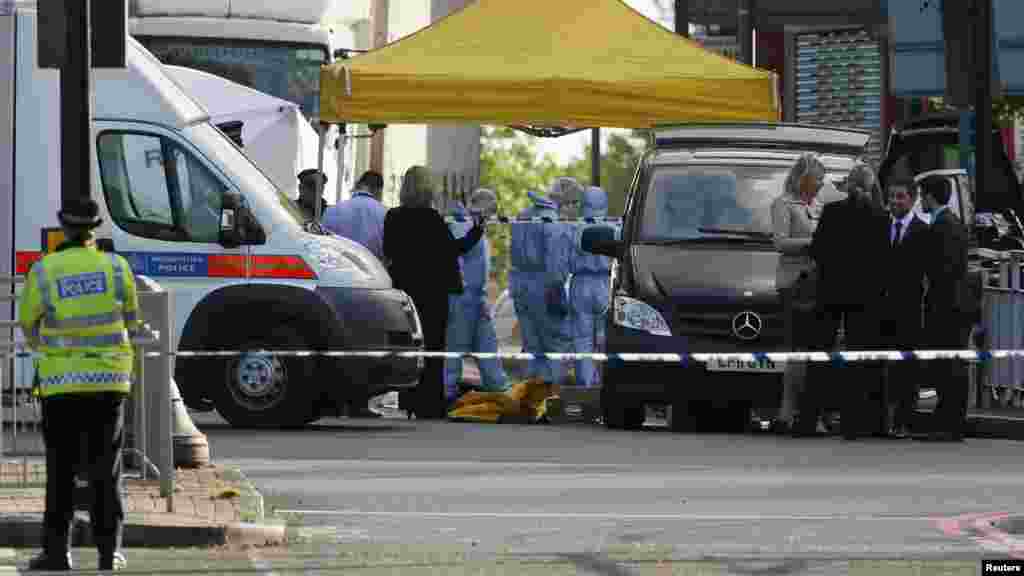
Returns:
<point x="737" y="365"/>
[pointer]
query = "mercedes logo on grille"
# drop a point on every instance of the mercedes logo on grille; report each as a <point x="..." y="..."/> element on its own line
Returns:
<point x="747" y="325"/>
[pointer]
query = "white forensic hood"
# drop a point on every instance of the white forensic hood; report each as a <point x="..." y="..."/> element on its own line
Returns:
<point x="275" y="134"/>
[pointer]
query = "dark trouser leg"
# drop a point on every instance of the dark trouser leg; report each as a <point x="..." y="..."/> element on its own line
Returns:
<point x="864" y="379"/>
<point x="951" y="378"/>
<point x="433" y="310"/>
<point x="815" y="332"/>
<point x="106" y="441"/>
<point x="61" y="437"/>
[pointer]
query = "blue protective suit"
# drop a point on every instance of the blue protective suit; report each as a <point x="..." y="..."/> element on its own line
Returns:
<point x="470" y="322"/>
<point x="589" y="290"/>
<point x="539" y="258"/>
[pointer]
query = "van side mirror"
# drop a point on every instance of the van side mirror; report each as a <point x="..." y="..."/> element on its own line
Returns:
<point x="233" y="221"/>
<point x="602" y="240"/>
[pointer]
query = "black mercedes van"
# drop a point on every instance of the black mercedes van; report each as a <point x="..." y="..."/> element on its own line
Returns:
<point x="694" y="269"/>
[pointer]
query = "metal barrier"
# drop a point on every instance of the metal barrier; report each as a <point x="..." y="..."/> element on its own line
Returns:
<point x="21" y="440"/>
<point x="147" y="413"/>
<point x="1002" y="380"/>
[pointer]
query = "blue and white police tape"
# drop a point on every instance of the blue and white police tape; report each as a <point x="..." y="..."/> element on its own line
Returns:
<point x="538" y="219"/>
<point x="612" y="357"/>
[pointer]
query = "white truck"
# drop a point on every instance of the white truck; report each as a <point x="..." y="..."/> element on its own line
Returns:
<point x="184" y="205"/>
<point x="274" y="47"/>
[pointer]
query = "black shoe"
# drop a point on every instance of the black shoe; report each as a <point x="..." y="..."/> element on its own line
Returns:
<point x="50" y="563"/>
<point x="114" y="563"/>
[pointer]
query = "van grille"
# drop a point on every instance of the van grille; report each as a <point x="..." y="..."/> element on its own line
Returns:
<point x="720" y="324"/>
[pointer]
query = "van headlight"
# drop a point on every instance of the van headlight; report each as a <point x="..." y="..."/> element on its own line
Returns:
<point x="338" y="259"/>
<point x="632" y="313"/>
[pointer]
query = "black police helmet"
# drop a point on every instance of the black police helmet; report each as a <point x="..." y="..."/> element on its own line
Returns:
<point x="309" y="172"/>
<point x="80" y="213"/>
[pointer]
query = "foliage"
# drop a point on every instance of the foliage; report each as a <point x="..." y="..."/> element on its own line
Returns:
<point x="510" y="166"/>
<point x="1005" y="109"/>
<point x="618" y="163"/>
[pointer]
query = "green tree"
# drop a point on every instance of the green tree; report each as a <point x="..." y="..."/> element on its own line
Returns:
<point x="509" y="165"/>
<point x="618" y="163"/>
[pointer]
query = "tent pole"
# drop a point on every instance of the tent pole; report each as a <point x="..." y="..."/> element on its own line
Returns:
<point x="342" y="141"/>
<point x="682" y="18"/>
<point x="322" y="132"/>
<point x="745" y="32"/>
<point x="595" y="157"/>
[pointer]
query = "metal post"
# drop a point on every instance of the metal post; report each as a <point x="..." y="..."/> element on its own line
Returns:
<point x="75" y="104"/>
<point x="983" y="100"/>
<point x="140" y="414"/>
<point x="595" y="157"/>
<point x="163" y="444"/>
<point x="322" y="132"/>
<point x="682" y="17"/>
<point x="342" y="141"/>
<point x="745" y="32"/>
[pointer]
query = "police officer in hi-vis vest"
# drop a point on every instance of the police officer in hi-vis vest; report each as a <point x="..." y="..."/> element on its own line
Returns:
<point x="76" y="309"/>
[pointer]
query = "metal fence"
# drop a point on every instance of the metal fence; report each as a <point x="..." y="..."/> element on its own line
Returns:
<point x="1002" y="380"/>
<point x="21" y="441"/>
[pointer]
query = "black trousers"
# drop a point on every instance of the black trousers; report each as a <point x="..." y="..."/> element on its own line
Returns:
<point x="428" y="401"/>
<point x="949" y="331"/>
<point x="84" y="435"/>
<point x="858" y="385"/>
<point x="903" y="378"/>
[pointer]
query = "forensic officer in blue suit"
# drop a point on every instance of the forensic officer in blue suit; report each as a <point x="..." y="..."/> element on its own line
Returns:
<point x="539" y="270"/>
<point x="588" y="290"/>
<point x="470" y="322"/>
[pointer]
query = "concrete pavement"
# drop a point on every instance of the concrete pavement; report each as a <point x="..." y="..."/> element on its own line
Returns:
<point x="211" y="506"/>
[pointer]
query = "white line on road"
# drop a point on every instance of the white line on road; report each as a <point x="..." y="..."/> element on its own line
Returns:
<point x="609" y="516"/>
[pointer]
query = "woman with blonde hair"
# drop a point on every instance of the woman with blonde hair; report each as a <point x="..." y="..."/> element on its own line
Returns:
<point x="794" y="217"/>
<point x="423" y="258"/>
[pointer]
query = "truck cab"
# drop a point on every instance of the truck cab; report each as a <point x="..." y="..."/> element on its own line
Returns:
<point x="276" y="48"/>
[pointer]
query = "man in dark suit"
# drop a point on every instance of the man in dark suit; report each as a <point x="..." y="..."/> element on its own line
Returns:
<point x="904" y="294"/>
<point x="946" y="309"/>
<point x="848" y="245"/>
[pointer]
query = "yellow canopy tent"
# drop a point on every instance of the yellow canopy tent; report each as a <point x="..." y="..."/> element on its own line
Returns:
<point x="545" y="62"/>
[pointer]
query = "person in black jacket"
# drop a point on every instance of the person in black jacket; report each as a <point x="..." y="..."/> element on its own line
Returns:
<point x="904" y="295"/>
<point x="848" y="246"/>
<point x="423" y="258"/>
<point x="946" y="309"/>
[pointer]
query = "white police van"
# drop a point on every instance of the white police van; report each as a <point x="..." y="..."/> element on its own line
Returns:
<point x="185" y="206"/>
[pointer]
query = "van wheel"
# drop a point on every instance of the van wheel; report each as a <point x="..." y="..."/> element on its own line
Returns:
<point x="682" y="416"/>
<point x="733" y="418"/>
<point x="619" y="414"/>
<point x="268" y="391"/>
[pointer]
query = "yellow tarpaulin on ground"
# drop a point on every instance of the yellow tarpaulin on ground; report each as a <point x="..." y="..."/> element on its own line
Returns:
<point x="524" y="402"/>
<point x="580" y="63"/>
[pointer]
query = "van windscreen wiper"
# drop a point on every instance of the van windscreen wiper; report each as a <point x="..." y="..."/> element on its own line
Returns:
<point x="755" y="234"/>
<point x="717" y="239"/>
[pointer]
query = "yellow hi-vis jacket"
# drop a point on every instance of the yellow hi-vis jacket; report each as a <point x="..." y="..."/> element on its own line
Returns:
<point x="75" y="303"/>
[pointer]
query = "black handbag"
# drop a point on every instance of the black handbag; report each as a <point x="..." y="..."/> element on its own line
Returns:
<point x="804" y="291"/>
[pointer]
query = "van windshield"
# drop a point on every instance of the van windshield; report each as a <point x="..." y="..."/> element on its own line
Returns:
<point x="688" y="202"/>
<point x="245" y="172"/>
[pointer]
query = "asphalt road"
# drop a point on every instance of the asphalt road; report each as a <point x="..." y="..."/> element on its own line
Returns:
<point x="408" y="497"/>
<point x="613" y="502"/>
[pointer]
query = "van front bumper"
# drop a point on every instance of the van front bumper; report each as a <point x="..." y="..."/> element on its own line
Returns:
<point x="665" y="382"/>
<point x="378" y="321"/>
